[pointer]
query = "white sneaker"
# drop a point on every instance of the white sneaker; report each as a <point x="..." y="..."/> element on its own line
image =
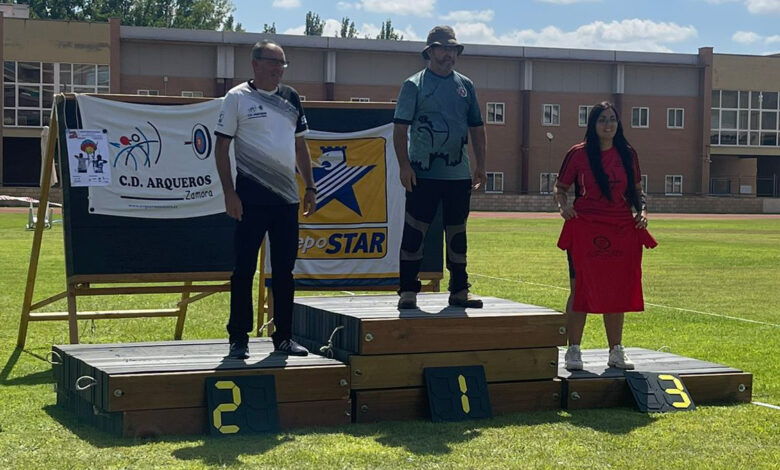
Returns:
<point x="573" y="357"/>
<point x="619" y="359"/>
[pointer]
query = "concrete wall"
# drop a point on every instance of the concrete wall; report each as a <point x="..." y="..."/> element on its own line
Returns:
<point x="661" y="80"/>
<point x="728" y="73"/>
<point x="171" y="60"/>
<point x="685" y="205"/>
<point x="56" y="41"/>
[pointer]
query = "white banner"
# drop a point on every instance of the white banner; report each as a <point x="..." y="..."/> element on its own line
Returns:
<point x="161" y="159"/>
<point x="355" y="236"/>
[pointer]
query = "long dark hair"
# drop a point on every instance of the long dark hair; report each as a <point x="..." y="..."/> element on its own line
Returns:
<point x="626" y="151"/>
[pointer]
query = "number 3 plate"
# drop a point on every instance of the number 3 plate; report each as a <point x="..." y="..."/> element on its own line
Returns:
<point x="659" y="392"/>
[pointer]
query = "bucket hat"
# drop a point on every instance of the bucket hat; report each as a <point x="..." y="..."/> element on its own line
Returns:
<point x="441" y="36"/>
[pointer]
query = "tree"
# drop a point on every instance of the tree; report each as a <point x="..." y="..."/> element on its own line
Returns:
<point x="229" y="26"/>
<point x="271" y="29"/>
<point x="190" y="14"/>
<point x="387" y="32"/>
<point x="314" y="25"/>
<point x="348" y="29"/>
<point x="55" y="9"/>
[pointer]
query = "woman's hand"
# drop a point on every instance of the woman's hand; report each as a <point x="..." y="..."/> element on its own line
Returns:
<point x="641" y="220"/>
<point x="561" y="200"/>
<point x="567" y="212"/>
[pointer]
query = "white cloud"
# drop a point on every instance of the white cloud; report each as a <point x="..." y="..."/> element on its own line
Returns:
<point x="567" y="2"/>
<point x="347" y="6"/>
<point x="772" y="39"/>
<point x="369" y="30"/>
<point x="485" y="16"/>
<point x="745" y="37"/>
<point x="475" y="33"/>
<point x="410" y="35"/>
<point x="332" y="27"/>
<point x="286" y="3"/>
<point x="298" y="30"/>
<point x="634" y="34"/>
<point x="757" y="7"/>
<point x="399" y="7"/>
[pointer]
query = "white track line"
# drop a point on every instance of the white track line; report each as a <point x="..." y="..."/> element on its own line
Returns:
<point x="520" y="281"/>
<point x="774" y="407"/>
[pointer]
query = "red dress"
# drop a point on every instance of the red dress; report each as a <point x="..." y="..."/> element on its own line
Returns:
<point x="603" y="241"/>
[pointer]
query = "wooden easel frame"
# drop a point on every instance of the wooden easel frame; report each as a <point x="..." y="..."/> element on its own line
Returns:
<point x="201" y="284"/>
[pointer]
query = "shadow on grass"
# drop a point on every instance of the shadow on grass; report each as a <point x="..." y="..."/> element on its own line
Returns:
<point x="37" y="378"/>
<point x="612" y="421"/>
<point x="429" y="438"/>
<point x="212" y="449"/>
<point x="225" y="451"/>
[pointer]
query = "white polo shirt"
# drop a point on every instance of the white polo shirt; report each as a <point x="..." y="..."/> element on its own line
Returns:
<point x="264" y="125"/>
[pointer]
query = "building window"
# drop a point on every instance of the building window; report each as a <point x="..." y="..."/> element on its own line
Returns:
<point x="640" y="117"/>
<point x="192" y="94"/>
<point x="644" y="184"/>
<point x="675" y="118"/>
<point x="360" y="99"/>
<point x="547" y="182"/>
<point x="29" y="88"/>
<point x="551" y="115"/>
<point x="148" y="92"/>
<point x="582" y="115"/>
<point x="674" y="185"/>
<point x="495" y="182"/>
<point x="495" y="113"/>
<point x="748" y="118"/>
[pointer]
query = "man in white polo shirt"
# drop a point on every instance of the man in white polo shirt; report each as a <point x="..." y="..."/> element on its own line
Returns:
<point x="265" y="121"/>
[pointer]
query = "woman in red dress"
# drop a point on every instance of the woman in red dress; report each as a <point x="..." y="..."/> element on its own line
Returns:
<point x="605" y="171"/>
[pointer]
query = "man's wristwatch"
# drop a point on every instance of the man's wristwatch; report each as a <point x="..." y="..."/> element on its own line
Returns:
<point x="311" y="188"/>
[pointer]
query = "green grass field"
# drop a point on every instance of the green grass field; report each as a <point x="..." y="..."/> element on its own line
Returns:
<point x="712" y="292"/>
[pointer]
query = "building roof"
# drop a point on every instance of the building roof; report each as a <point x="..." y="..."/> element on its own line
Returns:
<point x="142" y="33"/>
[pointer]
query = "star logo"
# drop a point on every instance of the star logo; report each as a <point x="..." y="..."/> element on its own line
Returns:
<point x="335" y="179"/>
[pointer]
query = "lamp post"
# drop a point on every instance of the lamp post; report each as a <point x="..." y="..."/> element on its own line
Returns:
<point x="549" y="136"/>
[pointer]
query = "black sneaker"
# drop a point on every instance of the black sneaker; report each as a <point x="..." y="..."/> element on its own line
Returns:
<point x="289" y="347"/>
<point x="239" y="351"/>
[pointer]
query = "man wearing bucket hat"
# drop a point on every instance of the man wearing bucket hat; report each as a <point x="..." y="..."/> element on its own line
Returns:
<point x="436" y="113"/>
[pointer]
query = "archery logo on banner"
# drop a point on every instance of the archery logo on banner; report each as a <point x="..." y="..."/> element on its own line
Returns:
<point x="359" y="217"/>
<point x="161" y="159"/>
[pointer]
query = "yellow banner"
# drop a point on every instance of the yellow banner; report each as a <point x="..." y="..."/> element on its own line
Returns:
<point x="342" y="243"/>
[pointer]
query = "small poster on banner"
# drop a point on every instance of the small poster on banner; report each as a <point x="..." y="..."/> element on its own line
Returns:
<point x="88" y="158"/>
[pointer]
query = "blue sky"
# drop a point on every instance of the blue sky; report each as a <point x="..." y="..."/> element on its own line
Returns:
<point x="730" y="26"/>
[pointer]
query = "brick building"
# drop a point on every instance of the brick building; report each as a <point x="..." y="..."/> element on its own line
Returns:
<point x="702" y="126"/>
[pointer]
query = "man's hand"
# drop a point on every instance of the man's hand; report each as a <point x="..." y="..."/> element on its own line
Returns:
<point x="309" y="203"/>
<point x="233" y="205"/>
<point x="479" y="179"/>
<point x="408" y="178"/>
